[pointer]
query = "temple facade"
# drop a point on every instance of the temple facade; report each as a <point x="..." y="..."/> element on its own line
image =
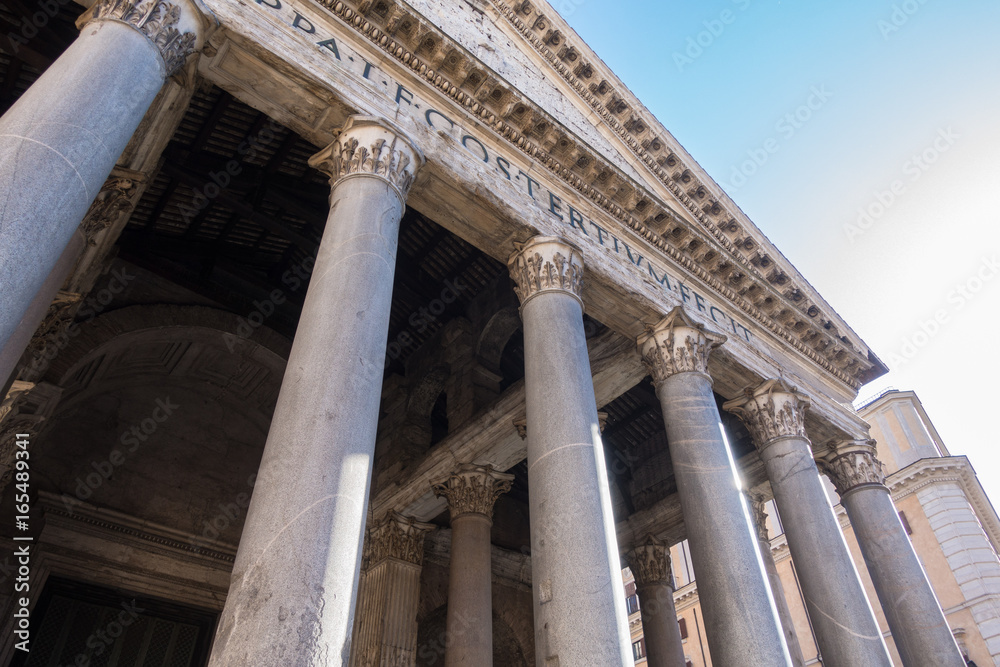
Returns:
<point x="377" y="333"/>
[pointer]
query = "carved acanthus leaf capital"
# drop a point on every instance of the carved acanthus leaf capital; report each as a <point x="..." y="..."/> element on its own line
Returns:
<point x="771" y="411"/>
<point x="759" y="515"/>
<point x="650" y="562"/>
<point x="677" y="344"/>
<point x="473" y="489"/>
<point x="50" y="337"/>
<point x="852" y="464"/>
<point x="397" y="536"/>
<point x="177" y="28"/>
<point x="370" y="146"/>
<point x="116" y="197"/>
<point x="546" y="264"/>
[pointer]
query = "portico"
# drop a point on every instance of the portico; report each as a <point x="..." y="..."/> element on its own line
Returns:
<point x="367" y="231"/>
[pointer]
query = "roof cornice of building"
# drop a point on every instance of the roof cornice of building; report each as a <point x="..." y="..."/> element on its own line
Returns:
<point x="722" y="247"/>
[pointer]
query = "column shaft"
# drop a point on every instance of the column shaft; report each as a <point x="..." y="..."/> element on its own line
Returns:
<point x="294" y="581"/>
<point x="470" y="595"/>
<point x="845" y="626"/>
<point x="919" y="627"/>
<point x="580" y="616"/>
<point x="60" y="140"/>
<point x="842" y="618"/>
<point x="741" y="621"/>
<point x="664" y="646"/>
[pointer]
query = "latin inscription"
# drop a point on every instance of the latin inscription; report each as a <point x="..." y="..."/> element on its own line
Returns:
<point x="541" y="195"/>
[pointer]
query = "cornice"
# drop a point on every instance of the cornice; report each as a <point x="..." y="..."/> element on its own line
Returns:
<point x="721" y="253"/>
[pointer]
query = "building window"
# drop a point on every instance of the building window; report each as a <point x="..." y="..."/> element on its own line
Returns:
<point x="682" y="622"/>
<point x="632" y="602"/>
<point x="639" y="649"/>
<point x="906" y="524"/>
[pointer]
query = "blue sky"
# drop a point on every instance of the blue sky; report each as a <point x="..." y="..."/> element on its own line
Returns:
<point x="885" y="193"/>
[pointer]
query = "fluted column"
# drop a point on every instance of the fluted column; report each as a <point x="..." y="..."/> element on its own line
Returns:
<point x="389" y="600"/>
<point x="654" y="584"/>
<point x="60" y="140"/>
<point x="770" y="567"/>
<point x="741" y="621"/>
<point x="471" y="492"/>
<point x="291" y="601"/>
<point x="918" y="625"/>
<point x="579" y="598"/>
<point x="843" y="621"/>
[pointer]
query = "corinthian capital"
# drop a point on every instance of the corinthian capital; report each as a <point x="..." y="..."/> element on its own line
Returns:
<point x="852" y="464"/>
<point x="546" y="264"/>
<point x="473" y="489"/>
<point x="771" y="411"/>
<point x="757" y="504"/>
<point x="372" y="147"/>
<point x="177" y="28"/>
<point x="677" y="344"/>
<point x="650" y="562"/>
<point x="397" y="536"/>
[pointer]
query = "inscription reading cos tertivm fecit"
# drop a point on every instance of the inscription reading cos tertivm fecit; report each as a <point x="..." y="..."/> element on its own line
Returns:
<point x="542" y="196"/>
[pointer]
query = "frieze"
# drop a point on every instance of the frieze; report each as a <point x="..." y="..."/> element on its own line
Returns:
<point x="771" y="411"/>
<point x="473" y="489"/>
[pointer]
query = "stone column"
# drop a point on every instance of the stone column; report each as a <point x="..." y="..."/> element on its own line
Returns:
<point x="580" y="616"/>
<point x="918" y="625"/>
<point x="60" y="140"/>
<point x="845" y="626"/>
<point x="741" y="621"/>
<point x="389" y="600"/>
<point x="777" y="589"/>
<point x="471" y="492"/>
<point x="654" y="584"/>
<point x="291" y="600"/>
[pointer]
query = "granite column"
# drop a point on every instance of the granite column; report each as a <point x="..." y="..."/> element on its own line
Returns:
<point x="741" y="621"/>
<point x="844" y="623"/>
<point x="294" y="582"/>
<point x="62" y="137"/>
<point x="579" y="598"/>
<point x="918" y="625"/>
<point x="471" y="492"/>
<point x="771" y="568"/>
<point x="654" y="584"/>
